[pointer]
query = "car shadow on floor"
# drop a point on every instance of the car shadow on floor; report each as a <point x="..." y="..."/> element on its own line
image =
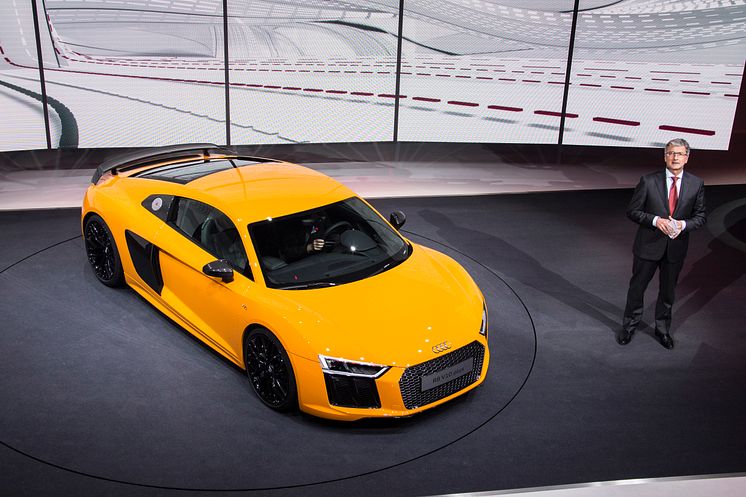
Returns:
<point x="525" y="268"/>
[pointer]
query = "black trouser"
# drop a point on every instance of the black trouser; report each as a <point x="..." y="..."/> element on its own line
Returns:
<point x="642" y="272"/>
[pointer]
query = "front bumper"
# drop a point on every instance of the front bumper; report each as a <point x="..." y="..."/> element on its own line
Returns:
<point x="399" y="392"/>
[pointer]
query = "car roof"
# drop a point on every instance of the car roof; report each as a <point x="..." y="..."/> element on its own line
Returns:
<point x="258" y="190"/>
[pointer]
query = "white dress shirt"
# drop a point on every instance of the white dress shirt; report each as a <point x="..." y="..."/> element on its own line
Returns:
<point x="669" y="180"/>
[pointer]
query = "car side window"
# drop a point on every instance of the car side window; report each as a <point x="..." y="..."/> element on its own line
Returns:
<point x="212" y="230"/>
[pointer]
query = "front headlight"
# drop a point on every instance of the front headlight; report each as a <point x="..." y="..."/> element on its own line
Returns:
<point x="335" y="365"/>
<point x="483" y="326"/>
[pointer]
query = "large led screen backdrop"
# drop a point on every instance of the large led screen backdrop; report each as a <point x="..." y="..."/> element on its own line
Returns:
<point x="646" y="71"/>
<point x="479" y="71"/>
<point x="21" y="117"/>
<point x="153" y="72"/>
<point x="311" y="71"/>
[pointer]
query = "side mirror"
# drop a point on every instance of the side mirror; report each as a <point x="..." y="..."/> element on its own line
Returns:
<point x="397" y="219"/>
<point x="219" y="269"/>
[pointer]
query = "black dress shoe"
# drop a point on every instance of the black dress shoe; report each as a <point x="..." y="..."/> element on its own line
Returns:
<point x="665" y="339"/>
<point x="623" y="337"/>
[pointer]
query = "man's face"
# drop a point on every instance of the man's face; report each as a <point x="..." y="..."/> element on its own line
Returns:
<point x="676" y="157"/>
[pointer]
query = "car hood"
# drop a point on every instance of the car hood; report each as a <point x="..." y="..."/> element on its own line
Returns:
<point x="394" y="318"/>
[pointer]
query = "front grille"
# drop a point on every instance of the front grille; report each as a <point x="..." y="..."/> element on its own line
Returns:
<point x="410" y="383"/>
<point x="352" y="391"/>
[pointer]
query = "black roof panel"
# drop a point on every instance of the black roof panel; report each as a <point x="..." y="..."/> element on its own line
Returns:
<point x="184" y="172"/>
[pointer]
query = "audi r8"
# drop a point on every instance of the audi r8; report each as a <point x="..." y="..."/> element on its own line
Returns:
<point x="290" y="275"/>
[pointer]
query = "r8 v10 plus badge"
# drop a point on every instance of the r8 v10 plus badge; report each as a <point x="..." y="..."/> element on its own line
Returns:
<point x="445" y="375"/>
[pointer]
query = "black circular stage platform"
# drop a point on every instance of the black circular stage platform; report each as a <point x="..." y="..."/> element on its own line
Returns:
<point x="114" y="390"/>
<point x="102" y="395"/>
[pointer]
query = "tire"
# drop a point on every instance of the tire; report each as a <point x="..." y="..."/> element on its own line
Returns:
<point x="102" y="252"/>
<point x="270" y="371"/>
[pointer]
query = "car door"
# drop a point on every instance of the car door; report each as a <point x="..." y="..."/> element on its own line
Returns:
<point x="216" y="310"/>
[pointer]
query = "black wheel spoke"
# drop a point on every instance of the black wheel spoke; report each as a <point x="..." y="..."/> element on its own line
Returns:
<point x="279" y="388"/>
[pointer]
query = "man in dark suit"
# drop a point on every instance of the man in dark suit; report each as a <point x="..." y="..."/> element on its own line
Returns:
<point x="667" y="205"/>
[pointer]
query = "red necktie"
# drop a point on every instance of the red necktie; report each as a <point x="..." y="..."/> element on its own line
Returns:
<point x="673" y="196"/>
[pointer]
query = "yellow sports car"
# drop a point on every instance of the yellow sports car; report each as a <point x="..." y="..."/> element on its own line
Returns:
<point x="291" y="276"/>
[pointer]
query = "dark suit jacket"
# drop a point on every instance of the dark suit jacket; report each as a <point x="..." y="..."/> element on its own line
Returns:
<point x="650" y="199"/>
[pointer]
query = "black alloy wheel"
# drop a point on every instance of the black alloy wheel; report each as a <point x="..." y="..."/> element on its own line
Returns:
<point x="269" y="370"/>
<point x="102" y="252"/>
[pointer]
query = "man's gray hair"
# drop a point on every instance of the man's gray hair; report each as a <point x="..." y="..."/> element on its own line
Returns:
<point x="678" y="142"/>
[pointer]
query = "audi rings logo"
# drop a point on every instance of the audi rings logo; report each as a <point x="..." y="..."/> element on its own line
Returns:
<point x="441" y="347"/>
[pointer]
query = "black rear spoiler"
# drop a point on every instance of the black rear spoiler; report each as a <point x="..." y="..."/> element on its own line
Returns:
<point x="147" y="156"/>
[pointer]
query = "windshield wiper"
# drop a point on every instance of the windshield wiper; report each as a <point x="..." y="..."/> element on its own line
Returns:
<point x="316" y="284"/>
<point x="380" y="269"/>
<point x="392" y="263"/>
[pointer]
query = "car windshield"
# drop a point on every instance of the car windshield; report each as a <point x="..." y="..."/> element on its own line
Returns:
<point x="331" y="245"/>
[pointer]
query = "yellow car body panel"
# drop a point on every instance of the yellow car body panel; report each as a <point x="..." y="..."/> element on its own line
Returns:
<point x="393" y="319"/>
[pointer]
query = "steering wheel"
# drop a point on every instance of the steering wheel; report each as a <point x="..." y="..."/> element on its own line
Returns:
<point x="337" y="227"/>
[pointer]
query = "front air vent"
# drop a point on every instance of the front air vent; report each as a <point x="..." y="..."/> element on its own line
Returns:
<point x="352" y="391"/>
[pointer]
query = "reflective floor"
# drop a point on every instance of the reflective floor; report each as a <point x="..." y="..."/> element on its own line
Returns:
<point x="35" y="180"/>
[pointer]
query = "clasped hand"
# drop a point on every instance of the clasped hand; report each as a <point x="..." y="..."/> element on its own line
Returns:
<point x="670" y="227"/>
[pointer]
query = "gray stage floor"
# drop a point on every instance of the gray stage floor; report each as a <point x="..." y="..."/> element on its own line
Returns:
<point x="564" y="405"/>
